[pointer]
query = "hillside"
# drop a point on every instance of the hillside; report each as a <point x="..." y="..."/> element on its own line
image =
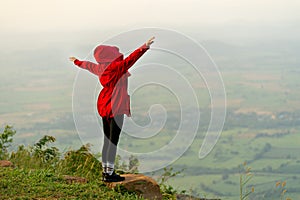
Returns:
<point x="261" y="127"/>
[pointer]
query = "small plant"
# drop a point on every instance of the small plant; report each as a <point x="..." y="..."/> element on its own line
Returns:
<point x="120" y="165"/>
<point x="22" y="157"/>
<point x="80" y="163"/>
<point x="42" y="150"/>
<point x="123" y="167"/>
<point x="5" y="141"/>
<point x="133" y="164"/>
<point x="168" y="191"/>
<point x="245" y="177"/>
<point x="37" y="156"/>
<point x="281" y="186"/>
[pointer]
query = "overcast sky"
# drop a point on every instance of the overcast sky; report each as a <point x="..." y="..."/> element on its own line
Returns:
<point x="52" y="15"/>
<point x="210" y="18"/>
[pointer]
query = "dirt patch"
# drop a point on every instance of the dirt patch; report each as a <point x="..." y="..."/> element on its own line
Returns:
<point x="261" y="77"/>
<point x="234" y="102"/>
<point x="27" y="119"/>
<point x="253" y="110"/>
<point x="246" y="136"/>
<point x="26" y="135"/>
<point x="265" y="86"/>
<point x="38" y="106"/>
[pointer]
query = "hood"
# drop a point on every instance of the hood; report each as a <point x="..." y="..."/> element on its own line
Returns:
<point x="107" y="54"/>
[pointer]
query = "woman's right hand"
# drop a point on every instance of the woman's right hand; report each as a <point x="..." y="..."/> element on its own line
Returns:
<point x="72" y="59"/>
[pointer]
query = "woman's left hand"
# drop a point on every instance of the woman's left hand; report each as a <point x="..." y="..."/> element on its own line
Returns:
<point x="150" y="41"/>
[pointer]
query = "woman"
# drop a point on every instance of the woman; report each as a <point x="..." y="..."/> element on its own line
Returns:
<point x="113" y="100"/>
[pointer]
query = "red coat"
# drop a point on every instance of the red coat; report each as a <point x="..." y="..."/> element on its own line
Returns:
<point x="113" y="75"/>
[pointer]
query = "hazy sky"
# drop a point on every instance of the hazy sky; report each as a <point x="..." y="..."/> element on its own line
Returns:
<point x="33" y="23"/>
<point x="54" y="15"/>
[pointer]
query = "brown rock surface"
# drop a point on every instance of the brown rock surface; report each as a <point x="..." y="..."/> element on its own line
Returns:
<point x="75" y="179"/>
<point x="6" y="163"/>
<point x="188" y="197"/>
<point x="141" y="184"/>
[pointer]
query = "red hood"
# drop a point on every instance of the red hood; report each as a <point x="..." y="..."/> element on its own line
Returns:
<point x="107" y="54"/>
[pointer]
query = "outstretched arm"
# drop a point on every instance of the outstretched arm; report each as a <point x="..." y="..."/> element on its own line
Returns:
<point x="134" y="56"/>
<point x="92" y="67"/>
<point x="116" y="70"/>
<point x="150" y="41"/>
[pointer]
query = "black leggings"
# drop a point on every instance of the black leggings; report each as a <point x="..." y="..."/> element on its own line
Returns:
<point x="112" y="128"/>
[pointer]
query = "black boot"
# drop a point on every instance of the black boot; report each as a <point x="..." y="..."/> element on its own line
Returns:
<point x="112" y="178"/>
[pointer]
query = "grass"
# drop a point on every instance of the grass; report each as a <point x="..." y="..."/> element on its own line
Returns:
<point x="43" y="184"/>
<point x="39" y="170"/>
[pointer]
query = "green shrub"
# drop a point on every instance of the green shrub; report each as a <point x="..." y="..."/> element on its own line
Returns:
<point x="5" y="141"/>
<point x="46" y="154"/>
<point x="80" y="163"/>
<point x="38" y="156"/>
<point x="168" y="192"/>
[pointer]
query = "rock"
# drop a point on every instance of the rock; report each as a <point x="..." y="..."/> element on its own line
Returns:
<point x="75" y="179"/>
<point x="188" y="197"/>
<point x="6" y="163"/>
<point x="143" y="185"/>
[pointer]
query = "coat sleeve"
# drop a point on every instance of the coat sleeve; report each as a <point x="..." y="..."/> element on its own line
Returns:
<point x="116" y="70"/>
<point x="90" y="66"/>
<point x="133" y="57"/>
<point x="122" y="66"/>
